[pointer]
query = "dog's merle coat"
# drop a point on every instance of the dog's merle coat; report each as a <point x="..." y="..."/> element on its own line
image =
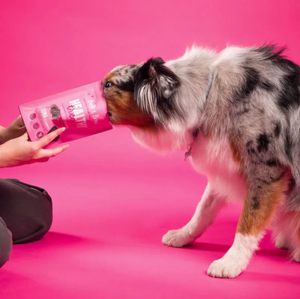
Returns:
<point x="246" y="100"/>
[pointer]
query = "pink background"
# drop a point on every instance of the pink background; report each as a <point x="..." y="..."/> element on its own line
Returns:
<point x="113" y="200"/>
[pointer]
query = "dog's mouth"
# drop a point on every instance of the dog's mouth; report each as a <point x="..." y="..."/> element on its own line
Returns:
<point x="110" y="116"/>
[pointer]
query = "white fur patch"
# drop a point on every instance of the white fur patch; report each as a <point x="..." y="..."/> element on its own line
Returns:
<point x="196" y="52"/>
<point x="230" y="54"/>
<point x="214" y="158"/>
<point x="236" y="258"/>
<point x="164" y="141"/>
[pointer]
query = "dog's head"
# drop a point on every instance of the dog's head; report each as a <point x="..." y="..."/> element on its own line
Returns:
<point x="141" y="95"/>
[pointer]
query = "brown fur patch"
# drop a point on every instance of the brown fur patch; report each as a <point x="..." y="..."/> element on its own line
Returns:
<point x="259" y="207"/>
<point x="123" y="108"/>
<point x="110" y="77"/>
<point x="258" y="210"/>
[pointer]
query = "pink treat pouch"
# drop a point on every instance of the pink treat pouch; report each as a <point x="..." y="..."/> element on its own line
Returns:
<point x="81" y="110"/>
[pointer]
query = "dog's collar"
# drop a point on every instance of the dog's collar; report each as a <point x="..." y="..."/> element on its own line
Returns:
<point x="195" y="132"/>
<point x="211" y="77"/>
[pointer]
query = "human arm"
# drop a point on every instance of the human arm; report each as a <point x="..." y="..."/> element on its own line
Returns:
<point x="20" y="151"/>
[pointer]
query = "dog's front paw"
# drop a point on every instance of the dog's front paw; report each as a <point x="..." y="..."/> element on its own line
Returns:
<point x="177" y="238"/>
<point x="225" y="268"/>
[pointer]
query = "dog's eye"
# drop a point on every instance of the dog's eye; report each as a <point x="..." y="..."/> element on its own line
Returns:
<point x="108" y="84"/>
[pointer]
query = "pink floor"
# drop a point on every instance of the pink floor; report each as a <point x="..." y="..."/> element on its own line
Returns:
<point x="113" y="200"/>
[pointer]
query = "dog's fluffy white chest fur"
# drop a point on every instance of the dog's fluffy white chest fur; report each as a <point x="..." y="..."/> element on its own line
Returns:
<point x="214" y="159"/>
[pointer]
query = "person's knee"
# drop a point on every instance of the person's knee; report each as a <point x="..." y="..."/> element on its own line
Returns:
<point x="26" y="210"/>
<point x="38" y="222"/>
<point x="5" y="243"/>
<point x="46" y="220"/>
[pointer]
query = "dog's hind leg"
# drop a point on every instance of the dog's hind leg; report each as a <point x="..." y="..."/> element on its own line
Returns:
<point x="282" y="228"/>
<point x="295" y="237"/>
<point x="296" y="251"/>
<point x="262" y="199"/>
<point x="286" y="231"/>
<point x="282" y="241"/>
<point x="205" y="214"/>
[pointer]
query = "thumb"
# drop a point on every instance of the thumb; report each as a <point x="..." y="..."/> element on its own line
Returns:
<point x="20" y="121"/>
<point x="25" y="137"/>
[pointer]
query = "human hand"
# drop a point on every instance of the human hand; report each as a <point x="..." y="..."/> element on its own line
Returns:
<point x="14" y="130"/>
<point x="20" y="151"/>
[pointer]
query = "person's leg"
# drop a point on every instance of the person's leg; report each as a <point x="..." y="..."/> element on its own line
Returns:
<point x="5" y="243"/>
<point x="26" y="210"/>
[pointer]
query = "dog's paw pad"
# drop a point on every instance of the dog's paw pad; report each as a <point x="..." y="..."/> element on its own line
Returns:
<point x="224" y="268"/>
<point x="177" y="238"/>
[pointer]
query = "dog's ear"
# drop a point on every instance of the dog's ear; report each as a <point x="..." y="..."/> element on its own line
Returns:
<point x="154" y="85"/>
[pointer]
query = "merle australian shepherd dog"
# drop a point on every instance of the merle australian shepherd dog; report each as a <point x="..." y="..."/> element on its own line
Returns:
<point x="237" y="113"/>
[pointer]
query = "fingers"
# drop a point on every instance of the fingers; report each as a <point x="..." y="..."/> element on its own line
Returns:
<point x="19" y="121"/>
<point x="25" y="136"/>
<point x="43" y="155"/>
<point x="48" y="153"/>
<point x="49" y="137"/>
<point x="21" y="131"/>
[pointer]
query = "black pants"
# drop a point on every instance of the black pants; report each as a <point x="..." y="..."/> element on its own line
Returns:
<point x="25" y="215"/>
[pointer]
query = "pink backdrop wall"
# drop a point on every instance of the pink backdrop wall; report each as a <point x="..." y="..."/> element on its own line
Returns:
<point x="51" y="46"/>
<point x="106" y="185"/>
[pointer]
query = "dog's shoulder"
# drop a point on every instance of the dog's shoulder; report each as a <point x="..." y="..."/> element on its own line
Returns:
<point x="230" y="58"/>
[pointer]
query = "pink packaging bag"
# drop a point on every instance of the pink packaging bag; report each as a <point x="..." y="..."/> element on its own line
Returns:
<point x="81" y="110"/>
